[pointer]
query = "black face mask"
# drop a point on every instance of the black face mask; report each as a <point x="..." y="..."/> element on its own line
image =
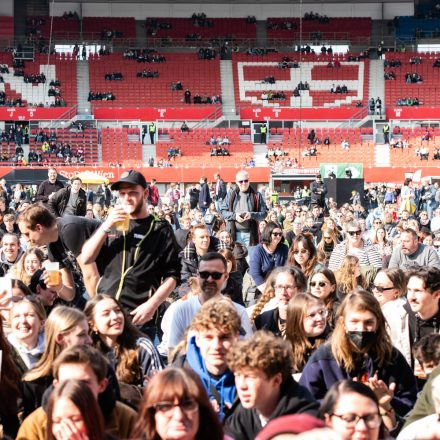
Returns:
<point x="361" y="339"/>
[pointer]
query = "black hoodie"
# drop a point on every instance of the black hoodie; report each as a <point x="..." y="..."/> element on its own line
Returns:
<point x="245" y="424"/>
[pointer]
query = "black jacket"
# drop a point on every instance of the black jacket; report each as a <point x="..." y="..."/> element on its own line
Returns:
<point x="269" y="321"/>
<point x="46" y="189"/>
<point x="245" y="424"/>
<point x="58" y="202"/>
<point x="204" y="196"/>
<point x="319" y="190"/>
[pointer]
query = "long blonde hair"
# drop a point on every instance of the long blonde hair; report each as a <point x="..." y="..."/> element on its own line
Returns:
<point x="62" y="319"/>
<point x="343" y="350"/>
<point x="18" y="269"/>
<point x="346" y="275"/>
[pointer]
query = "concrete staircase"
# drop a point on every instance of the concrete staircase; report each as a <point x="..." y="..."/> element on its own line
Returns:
<point x="140" y="33"/>
<point x="261" y="33"/>
<point x="382" y="155"/>
<point x="82" y="86"/>
<point x="148" y="150"/>
<point x="227" y="82"/>
<point x="376" y="83"/>
<point x="260" y="152"/>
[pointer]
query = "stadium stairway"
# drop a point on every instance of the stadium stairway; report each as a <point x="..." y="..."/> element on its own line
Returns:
<point x="83" y="86"/>
<point x="227" y="84"/>
<point x="261" y="32"/>
<point x="377" y="82"/>
<point x="148" y="150"/>
<point x="382" y="157"/>
<point x="260" y="153"/>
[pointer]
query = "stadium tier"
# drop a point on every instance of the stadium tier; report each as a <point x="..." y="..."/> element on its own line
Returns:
<point x="55" y="67"/>
<point x="199" y="76"/>
<point x="109" y="28"/>
<point x="252" y="88"/>
<point x="62" y="28"/>
<point x="427" y="90"/>
<point x="121" y="145"/>
<point x="356" y="30"/>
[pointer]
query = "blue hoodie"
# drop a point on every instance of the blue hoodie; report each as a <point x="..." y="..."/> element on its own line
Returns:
<point x="225" y="386"/>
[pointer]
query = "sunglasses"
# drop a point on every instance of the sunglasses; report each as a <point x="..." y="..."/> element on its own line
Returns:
<point x="382" y="289"/>
<point x="214" y="275"/>
<point x="320" y="284"/>
<point x="277" y="234"/>
<point x="353" y="233"/>
<point x="243" y="181"/>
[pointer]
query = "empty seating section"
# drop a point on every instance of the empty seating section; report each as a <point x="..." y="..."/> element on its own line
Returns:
<point x="117" y="146"/>
<point x="356" y="30"/>
<point x="195" y="152"/>
<point x="94" y="26"/>
<point x="407" y="156"/>
<point x="6" y="27"/>
<point x="428" y="91"/>
<point x="294" y="141"/>
<point x="199" y="76"/>
<point x="62" y="28"/>
<point x="250" y="71"/>
<point x="86" y="140"/>
<point x="61" y="67"/>
<point x="181" y="27"/>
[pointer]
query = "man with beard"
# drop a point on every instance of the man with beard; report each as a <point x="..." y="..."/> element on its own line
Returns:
<point x="212" y="276"/>
<point x="140" y="267"/>
<point x="48" y="187"/>
<point x="411" y="253"/>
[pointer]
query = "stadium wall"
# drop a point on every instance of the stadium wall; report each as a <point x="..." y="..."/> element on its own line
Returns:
<point x="7" y="8"/>
<point x="261" y="11"/>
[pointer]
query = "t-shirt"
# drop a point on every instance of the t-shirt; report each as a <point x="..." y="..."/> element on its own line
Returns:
<point x="423" y="256"/>
<point x="184" y="313"/>
<point x="242" y="206"/>
<point x="71" y="204"/>
<point x="73" y="232"/>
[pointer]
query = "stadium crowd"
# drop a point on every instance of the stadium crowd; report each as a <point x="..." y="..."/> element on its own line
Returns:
<point x="217" y="312"/>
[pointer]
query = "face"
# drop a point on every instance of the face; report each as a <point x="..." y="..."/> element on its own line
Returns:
<point x="186" y="224"/>
<point x="9" y="223"/>
<point x="108" y="319"/>
<point x="408" y="243"/>
<point x="301" y="254"/>
<point x="64" y="413"/>
<point x="315" y="320"/>
<point x="254" y="388"/>
<point x="360" y="321"/>
<point x="321" y="287"/>
<point x="242" y="180"/>
<point x="178" y="423"/>
<point x="52" y="174"/>
<point x="214" y="345"/>
<point x="10" y="247"/>
<point x="276" y="236"/>
<point x="82" y="372"/>
<point x="211" y="286"/>
<point x="428" y="240"/>
<point x="31" y="264"/>
<point x="47" y="296"/>
<point x="25" y="323"/>
<point x="261" y="226"/>
<point x="285" y="288"/>
<point x="76" y="186"/>
<point x="353" y="403"/>
<point x="420" y="300"/>
<point x="380" y="234"/>
<point x="225" y="237"/>
<point x="354" y="235"/>
<point x="79" y="335"/>
<point x="297" y="227"/>
<point x="201" y="239"/>
<point x="133" y="197"/>
<point x="383" y="289"/>
<point x="39" y="236"/>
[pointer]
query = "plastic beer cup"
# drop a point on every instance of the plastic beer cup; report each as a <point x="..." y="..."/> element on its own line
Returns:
<point x="53" y="269"/>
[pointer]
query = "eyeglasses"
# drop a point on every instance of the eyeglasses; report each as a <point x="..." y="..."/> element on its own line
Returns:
<point x="167" y="408"/>
<point x="322" y="313"/>
<point x="243" y="181"/>
<point x="298" y="210"/>
<point x="279" y="287"/>
<point x="382" y="289"/>
<point x="327" y="238"/>
<point x="378" y="223"/>
<point x="320" y="284"/>
<point x="214" y="275"/>
<point x="353" y="233"/>
<point x="302" y="251"/>
<point x="371" y="420"/>
<point x="277" y="234"/>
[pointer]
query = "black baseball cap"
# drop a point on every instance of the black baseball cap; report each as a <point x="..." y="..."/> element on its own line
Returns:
<point x="37" y="278"/>
<point x="131" y="176"/>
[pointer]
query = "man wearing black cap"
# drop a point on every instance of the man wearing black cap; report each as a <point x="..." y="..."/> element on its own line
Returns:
<point x="319" y="190"/>
<point x="141" y="266"/>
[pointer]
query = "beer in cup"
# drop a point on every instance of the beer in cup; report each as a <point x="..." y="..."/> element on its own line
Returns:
<point x="53" y="269"/>
<point x="124" y="225"/>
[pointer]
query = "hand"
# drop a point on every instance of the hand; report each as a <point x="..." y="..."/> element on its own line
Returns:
<point x="117" y="214"/>
<point x="67" y="430"/>
<point x="51" y="195"/>
<point x="383" y="393"/>
<point x="247" y="216"/>
<point x="143" y="313"/>
<point x="239" y="218"/>
<point x="47" y="281"/>
<point x="5" y="300"/>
